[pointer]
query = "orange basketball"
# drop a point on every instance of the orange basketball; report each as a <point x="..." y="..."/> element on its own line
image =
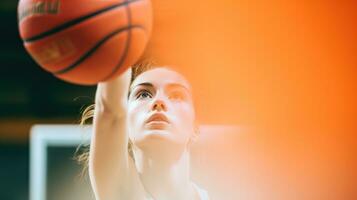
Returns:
<point x="85" y="41"/>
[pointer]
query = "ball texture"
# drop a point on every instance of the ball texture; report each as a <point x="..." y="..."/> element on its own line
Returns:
<point x="85" y="41"/>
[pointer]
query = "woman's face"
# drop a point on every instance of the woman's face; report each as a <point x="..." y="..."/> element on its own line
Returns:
<point x="160" y="108"/>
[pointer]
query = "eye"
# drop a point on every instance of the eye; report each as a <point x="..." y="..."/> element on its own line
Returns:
<point x="143" y="94"/>
<point x="176" y="96"/>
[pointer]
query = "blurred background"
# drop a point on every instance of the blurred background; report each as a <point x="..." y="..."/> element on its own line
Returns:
<point x="28" y="96"/>
<point x="285" y="69"/>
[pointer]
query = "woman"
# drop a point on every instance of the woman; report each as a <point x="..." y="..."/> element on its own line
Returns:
<point x="144" y="123"/>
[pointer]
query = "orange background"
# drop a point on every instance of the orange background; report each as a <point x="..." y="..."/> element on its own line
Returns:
<point x="284" y="69"/>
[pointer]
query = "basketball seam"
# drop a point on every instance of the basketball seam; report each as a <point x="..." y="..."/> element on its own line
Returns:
<point x="76" y="21"/>
<point x="127" y="46"/>
<point x="93" y="49"/>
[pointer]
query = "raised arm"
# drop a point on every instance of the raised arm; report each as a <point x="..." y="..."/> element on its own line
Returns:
<point x="112" y="172"/>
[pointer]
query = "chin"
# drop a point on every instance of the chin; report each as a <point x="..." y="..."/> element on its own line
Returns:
<point x="158" y="138"/>
<point x="158" y="134"/>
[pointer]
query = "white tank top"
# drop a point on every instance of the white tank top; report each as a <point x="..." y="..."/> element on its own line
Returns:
<point x="201" y="192"/>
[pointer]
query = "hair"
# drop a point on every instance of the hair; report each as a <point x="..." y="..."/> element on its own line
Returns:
<point x="81" y="154"/>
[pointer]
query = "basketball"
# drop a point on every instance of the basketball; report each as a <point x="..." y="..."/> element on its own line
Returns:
<point x="85" y="41"/>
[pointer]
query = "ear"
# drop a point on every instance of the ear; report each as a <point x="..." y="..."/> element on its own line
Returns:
<point x="196" y="133"/>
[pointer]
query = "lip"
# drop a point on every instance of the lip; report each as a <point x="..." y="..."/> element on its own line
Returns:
<point x="157" y="118"/>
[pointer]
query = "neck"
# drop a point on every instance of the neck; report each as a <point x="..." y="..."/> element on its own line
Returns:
<point x="165" y="177"/>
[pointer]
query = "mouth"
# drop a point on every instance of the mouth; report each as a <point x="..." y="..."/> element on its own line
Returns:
<point x="157" y="118"/>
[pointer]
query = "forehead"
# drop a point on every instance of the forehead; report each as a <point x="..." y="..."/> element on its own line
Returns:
<point x="161" y="77"/>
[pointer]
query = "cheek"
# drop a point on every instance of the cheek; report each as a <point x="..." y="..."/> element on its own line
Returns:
<point x="135" y="116"/>
<point x="186" y="117"/>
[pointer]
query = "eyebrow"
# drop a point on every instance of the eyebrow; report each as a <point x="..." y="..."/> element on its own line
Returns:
<point x="179" y="85"/>
<point x="142" y="84"/>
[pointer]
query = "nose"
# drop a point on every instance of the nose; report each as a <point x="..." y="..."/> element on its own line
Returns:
<point x="159" y="105"/>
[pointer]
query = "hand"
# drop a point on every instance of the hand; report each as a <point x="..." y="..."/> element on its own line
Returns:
<point x="125" y="79"/>
<point x="111" y="96"/>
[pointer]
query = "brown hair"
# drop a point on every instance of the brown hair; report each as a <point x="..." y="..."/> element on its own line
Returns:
<point x="82" y="152"/>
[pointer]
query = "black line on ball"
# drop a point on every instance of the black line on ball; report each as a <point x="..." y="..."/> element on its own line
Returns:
<point x="76" y="21"/>
<point x="93" y="49"/>
<point x="127" y="45"/>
